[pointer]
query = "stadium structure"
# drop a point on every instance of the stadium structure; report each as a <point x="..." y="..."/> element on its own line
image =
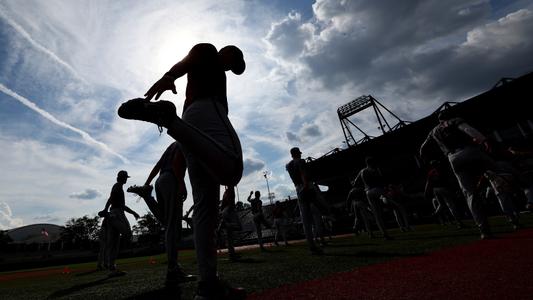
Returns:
<point x="502" y="113"/>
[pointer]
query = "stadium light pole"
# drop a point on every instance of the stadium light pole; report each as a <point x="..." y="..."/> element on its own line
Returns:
<point x="265" y="174"/>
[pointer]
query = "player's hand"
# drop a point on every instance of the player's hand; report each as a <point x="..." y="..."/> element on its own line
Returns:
<point x="251" y="192"/>
<point x="166" y="83"/>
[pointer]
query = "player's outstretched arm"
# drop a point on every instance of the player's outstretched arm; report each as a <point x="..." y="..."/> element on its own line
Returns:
<point x="166" y="83"/>
<point x="129" y="210"/>
<point x="153" y="173"/>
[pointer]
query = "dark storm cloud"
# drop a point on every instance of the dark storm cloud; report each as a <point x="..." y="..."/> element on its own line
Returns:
<point x="292" y="137"/>
<point x="252" y="165"/>
<point x="422" y="49"/>
<point x="87" y="194"/>
<point x="311" y="130"/>
<point x="307" y="130"/>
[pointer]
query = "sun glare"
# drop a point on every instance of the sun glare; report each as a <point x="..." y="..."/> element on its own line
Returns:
<point x="172" y="50"/>
<point x="170" y="46"/>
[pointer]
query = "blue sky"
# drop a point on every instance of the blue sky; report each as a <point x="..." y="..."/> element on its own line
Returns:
<point x="65" y="67"/>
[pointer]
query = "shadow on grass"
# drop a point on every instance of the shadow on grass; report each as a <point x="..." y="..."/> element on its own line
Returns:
<point x="349" y="245"/>
<point x="77" y="288"/>
<point x="372" y="254"/>
<point x="440" y="236"/>
<point x="249" y="261"/>
<point x="87" y="273"/>
<point x="162" y="293"/>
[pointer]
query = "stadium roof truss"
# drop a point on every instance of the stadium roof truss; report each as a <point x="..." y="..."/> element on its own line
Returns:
<point x="359" y="104"/>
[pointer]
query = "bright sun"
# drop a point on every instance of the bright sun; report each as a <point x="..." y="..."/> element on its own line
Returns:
<point x="169" y="53"/>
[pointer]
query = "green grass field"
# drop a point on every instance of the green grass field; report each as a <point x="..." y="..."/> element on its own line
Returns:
<point x="257" y="271"/>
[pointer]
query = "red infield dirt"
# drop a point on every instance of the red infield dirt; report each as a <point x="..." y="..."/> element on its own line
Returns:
<point x="36" y="273"/>
<point x="492" y="269"/>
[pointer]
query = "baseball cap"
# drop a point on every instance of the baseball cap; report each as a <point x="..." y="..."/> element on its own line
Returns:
<point x="295" y="150"/>
<point x="123" y="173"/>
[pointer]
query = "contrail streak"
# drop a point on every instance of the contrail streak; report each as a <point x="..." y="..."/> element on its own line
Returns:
<point x="84" y="135"/>
<point x="40" y="47"/>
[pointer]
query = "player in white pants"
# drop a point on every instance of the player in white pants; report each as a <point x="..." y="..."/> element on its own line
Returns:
<point x="211" y="146"/>
<point x="280" y="223"/>
<point x="438" y="187"/>
<point x="462" y="143"/>
<point x="357" y="204"/>
<point x="374" y="184"/>
<point x="306" y="196"/>
<point x="230" y="221"/>
<point x="117" y="224"/>
<point x="258" y="216"/>
<point x="170" y="193"/>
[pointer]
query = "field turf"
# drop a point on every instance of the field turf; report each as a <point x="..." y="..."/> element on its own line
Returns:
<point x="257" y="271"/>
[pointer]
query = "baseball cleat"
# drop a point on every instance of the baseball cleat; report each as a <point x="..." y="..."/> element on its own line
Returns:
<point x="160" y="113"/>
<point x="144" y="191"/>
<point x="177" y="276"/>
<point x="103" y="214"/>
<point x="218" y="290"/>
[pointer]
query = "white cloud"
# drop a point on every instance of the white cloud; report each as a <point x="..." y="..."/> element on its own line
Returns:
<point x="87" y="138"/>
<point x="282" y="191"/>
<point x="497" y="40"/>
<point x="48" y="219"/>
<point x="7" y="221"/>
<point x="287" y="38"/>
<point x="38" y="178"/>
<point x="37" y="45"/>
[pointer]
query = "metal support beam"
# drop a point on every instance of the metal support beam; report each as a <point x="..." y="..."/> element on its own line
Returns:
<point x="359" y="104"/>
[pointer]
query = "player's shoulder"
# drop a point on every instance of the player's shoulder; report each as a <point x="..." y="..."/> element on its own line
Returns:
<point x="117" y="187"/>
<point x="290" y="164"/>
